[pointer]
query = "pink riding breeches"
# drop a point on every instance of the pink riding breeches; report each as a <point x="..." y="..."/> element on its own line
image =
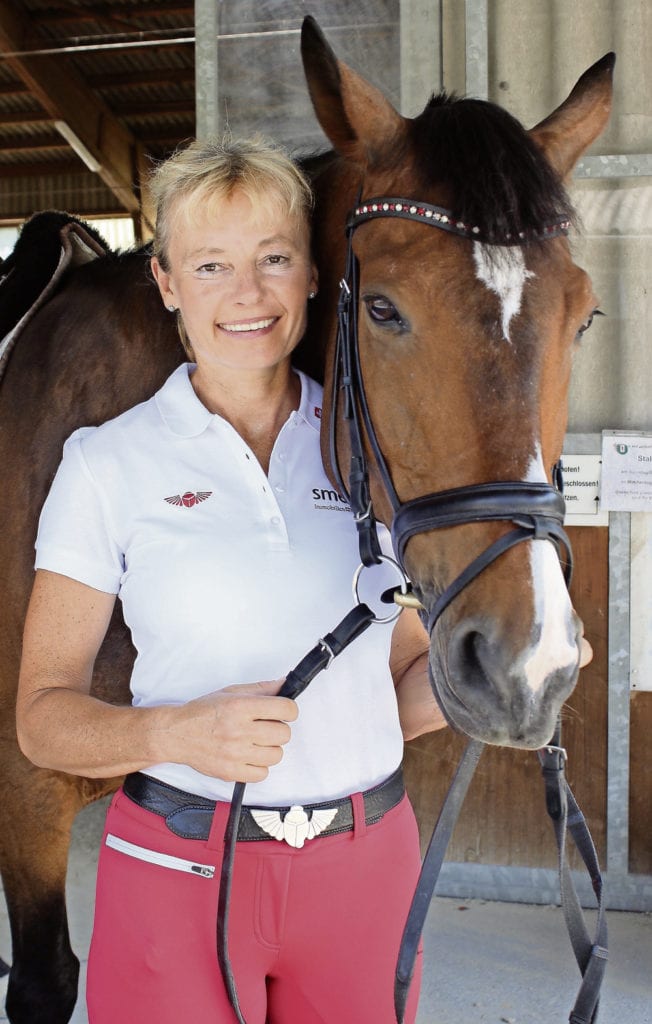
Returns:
<point x="313" y="932"/>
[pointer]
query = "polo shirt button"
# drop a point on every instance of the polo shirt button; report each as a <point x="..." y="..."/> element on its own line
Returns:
<point x="275" y="520"/>
<point x="279" y="489"/>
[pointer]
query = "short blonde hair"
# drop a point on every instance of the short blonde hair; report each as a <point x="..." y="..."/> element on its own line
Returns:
<point x="207" y="171"/>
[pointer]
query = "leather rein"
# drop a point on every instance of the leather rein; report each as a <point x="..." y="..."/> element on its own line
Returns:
<point x="536" y="511"/>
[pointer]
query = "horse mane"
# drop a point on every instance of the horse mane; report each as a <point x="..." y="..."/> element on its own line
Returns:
<point x="498" y="177"/>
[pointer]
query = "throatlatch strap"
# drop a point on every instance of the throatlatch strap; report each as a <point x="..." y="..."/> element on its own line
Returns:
<point x="316" y="660"/>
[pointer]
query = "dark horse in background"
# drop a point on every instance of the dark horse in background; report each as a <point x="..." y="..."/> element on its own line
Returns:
<point x="465" y="349"/>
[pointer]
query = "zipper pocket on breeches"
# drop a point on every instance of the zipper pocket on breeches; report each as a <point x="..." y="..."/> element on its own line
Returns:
<point x="164" y="860"/>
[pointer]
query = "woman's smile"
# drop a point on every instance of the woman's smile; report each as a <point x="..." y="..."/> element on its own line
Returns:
<point x="244" y="327"/>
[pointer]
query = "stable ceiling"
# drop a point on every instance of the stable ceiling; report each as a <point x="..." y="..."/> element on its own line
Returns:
<point x="111" y="86"/>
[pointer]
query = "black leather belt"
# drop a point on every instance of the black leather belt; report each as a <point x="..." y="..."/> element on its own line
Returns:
<point x="190" y="816"/>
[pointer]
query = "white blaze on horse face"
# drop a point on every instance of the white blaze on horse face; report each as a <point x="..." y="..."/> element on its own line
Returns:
<point x="502" y="269"/>
<point x="556" y="647"/>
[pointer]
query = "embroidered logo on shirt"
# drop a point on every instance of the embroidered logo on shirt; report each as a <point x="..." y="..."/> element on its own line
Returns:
<point x="318" y="412"/>
<point x="188" y="499"/>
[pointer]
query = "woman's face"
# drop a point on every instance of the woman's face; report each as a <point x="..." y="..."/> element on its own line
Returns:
<point x="240" y="276"/>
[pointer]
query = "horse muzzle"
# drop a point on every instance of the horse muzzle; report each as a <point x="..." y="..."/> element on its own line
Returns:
<point x="490" y="693"/>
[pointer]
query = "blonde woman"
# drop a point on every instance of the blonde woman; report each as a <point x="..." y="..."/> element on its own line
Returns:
<point x="198" y="509"/>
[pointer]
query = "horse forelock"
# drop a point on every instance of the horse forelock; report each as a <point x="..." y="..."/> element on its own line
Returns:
<point x="498" y="177"/>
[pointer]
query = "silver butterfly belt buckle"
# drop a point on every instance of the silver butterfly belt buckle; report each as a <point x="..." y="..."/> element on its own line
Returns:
<point x="296" y="826"/>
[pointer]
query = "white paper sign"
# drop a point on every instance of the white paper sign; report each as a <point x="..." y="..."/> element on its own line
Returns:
<point x="626" y="471"/>
<point x="581" y="490"/>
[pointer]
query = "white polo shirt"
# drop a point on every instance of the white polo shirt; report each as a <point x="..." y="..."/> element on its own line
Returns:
<point x="227" y="576"/>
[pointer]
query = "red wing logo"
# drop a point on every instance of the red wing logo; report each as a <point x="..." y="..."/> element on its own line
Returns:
<point x="188" y="499"/>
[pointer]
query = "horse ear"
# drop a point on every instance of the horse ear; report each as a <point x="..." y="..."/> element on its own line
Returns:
<point x="574" y="125"/>
<point x="355" y="116"/>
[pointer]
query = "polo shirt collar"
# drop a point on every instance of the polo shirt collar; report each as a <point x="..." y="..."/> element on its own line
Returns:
<point x="311" y="401"/>
<point x="180" y="409"/>
<point x="184" y="414"/>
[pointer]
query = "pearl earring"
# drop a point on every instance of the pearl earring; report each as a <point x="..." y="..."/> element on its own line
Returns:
<point x="311" y="295"/>
<point x="171" y="309"/>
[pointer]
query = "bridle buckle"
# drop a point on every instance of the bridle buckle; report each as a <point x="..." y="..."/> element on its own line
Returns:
<point x="326" y="647"/>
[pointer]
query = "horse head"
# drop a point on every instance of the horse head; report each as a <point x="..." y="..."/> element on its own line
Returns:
<point x="465" y="342"/>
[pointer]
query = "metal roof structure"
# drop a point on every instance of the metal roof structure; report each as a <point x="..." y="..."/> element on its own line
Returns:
<point x="92" y="91"/>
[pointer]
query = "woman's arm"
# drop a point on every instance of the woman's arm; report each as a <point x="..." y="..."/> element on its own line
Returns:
<point x="236" y="733"/>
<point x="408" y="661"/>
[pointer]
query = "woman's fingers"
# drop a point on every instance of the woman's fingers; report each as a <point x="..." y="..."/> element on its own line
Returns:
<point x="586" y="652"/>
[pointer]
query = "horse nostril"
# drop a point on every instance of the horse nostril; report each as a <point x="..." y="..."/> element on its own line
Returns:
<point x="468" y="645"/>
<point x="470" y="653"/>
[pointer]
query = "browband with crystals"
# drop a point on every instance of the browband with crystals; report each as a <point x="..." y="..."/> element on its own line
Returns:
<point x="410" y="209"/>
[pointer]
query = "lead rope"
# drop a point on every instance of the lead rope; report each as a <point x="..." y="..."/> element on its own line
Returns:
<point x="430" y="869"/>
<point x="316" y="660"/>
<point x="565" y="814"/>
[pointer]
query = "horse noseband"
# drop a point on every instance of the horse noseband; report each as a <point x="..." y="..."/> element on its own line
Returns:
<point x="536" y="510"/>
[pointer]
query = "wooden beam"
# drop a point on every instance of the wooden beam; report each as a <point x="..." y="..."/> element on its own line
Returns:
<point x="98" y="12"/>
<point x="13" y="89"/>
<point x="157" y="107"/>
<point x="154" y="108"/>
<point x="24" y="117"/>
<point x="66" y="97"/>
<point x="25" y="143"/>
<point x="42" y="169"/>
<point x="145" y="219"/>
<point x="152" y="76"/>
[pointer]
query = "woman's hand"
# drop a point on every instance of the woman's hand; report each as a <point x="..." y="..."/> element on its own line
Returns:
<point x="586" y="652"/>
<point x="236" y="734"/>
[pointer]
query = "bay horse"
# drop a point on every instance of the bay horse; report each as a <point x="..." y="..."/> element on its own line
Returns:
<point x="465" y="344"/>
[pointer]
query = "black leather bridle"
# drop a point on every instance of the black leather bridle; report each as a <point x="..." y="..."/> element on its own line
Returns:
<point x="536" y="510"/>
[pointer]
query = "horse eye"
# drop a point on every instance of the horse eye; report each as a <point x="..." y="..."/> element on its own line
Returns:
<point x="587" y="323"/>
<point x="382" y="311"/>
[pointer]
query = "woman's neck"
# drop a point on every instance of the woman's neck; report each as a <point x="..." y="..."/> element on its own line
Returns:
<point x="256" y="406"/>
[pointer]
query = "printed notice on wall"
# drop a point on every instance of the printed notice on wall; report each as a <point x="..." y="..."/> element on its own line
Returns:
<point x="626" y="471"/>
<point x="581" y="490"/>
